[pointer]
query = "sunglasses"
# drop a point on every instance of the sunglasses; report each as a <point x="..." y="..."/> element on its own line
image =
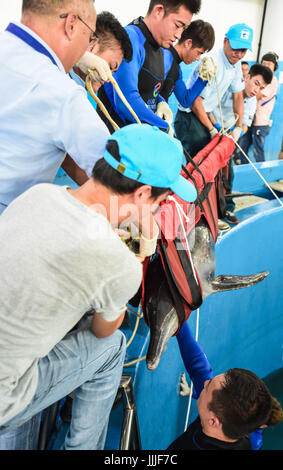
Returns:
<point x="93" y="38"/>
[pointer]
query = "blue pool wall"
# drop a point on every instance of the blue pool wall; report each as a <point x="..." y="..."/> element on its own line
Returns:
<point x="241" y="328"/>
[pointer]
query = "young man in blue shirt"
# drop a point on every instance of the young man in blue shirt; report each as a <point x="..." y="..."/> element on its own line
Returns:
<point x="197" y="39"/>
<point x="233" y="407"/>
<point x="142" y="78"/>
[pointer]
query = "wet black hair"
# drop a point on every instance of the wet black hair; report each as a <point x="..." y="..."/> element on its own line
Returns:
<point x="107" y="28"/>
<point x="171" y="6"/>
<point x="242" y="404"/>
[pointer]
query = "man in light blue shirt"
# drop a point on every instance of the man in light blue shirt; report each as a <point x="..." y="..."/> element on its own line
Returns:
<point x="193" y="126"/>
<point x="228" y="113"/>
<point x="43" y="113"/>
<point x="255" y="81"/>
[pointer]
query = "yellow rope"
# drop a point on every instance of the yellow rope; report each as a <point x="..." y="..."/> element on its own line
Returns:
<point x="135" y="361"/>
<point x="139" y="316"/>
<point x="136" y="326"/>
<point x="119" y="92"/>
<point x="99" y="103"/>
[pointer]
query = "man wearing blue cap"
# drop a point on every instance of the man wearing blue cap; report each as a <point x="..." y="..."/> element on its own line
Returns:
<point x="72" y="261"/>
<point x="193" y="126"/>
<point x="255" y="82"/>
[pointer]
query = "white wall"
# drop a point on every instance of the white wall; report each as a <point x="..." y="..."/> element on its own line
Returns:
<point x="10" y="10"/>
<point x="272" y="36"/>
<point x="221" y="13"/>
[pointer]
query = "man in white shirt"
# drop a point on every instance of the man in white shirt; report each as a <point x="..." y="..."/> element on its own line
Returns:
<point x="193" y="126"/>
<point x="43" y="113"/>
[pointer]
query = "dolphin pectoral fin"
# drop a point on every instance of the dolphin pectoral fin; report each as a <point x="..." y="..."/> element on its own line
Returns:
<point x="159" y="337"/>
<point x="224" y="283"/>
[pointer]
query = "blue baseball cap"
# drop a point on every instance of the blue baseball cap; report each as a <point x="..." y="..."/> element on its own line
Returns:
<point x="151" y="157"/>
<point x="240" y="36"/>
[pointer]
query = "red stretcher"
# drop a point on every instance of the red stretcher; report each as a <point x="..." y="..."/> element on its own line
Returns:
<point x="206" y="171"/>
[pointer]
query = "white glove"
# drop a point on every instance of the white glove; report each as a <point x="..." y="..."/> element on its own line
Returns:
<point x="164" y="112"/>
<point x="97" y="67"/>
<point x="207" y="69"/>
<point x="237" y="132"/>
<point x="184" y="387"/>
<point x="213" y="132"/>
<point x="147" y="247"/>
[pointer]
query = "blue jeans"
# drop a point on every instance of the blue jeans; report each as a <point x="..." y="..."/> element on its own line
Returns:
<point x="255" y="136"/>
<point x="259" y="134"/>
<point x="81" y="362"/>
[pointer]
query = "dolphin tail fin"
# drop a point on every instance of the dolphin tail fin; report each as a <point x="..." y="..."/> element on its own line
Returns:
<point x="225" y="283"/>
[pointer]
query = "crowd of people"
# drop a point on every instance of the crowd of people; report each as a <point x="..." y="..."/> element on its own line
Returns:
<point x="61" y="253"/>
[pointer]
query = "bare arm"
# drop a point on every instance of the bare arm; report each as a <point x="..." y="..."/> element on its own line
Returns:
<point x="102" y="328"/>
<point x="212" y="118"/>
<point x="238" y="107"/>
<point x="74" y="171"/>
<point x="198" y="109"/>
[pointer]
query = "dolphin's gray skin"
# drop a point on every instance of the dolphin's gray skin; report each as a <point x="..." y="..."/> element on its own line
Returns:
<point x="160" y="312"/>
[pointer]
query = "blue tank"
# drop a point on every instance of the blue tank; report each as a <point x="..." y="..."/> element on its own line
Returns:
<point x="241" y="328"/>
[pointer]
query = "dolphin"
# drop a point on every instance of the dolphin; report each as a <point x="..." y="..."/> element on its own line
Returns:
<point x="161" y="315"/>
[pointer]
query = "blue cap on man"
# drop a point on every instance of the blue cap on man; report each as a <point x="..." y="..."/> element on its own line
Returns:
<point x="151" y="157"/>
<point x="240" y="36"/>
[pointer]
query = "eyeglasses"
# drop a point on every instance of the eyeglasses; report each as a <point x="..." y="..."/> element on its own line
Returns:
<point x="93" y="38"/>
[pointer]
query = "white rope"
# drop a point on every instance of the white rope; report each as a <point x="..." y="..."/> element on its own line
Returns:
<point x="258" y="172"/>
<point x="219" y="103"/>
<point x="181" y="211"/>
<point x="192" y="386"/>
<point x="229" y="124"/>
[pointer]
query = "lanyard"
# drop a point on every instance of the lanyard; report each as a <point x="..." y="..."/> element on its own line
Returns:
<point x="268" y="101"/>
<point x="30" y="40"/>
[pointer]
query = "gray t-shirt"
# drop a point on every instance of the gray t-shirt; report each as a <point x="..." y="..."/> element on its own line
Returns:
<point x="59" y="259"/>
